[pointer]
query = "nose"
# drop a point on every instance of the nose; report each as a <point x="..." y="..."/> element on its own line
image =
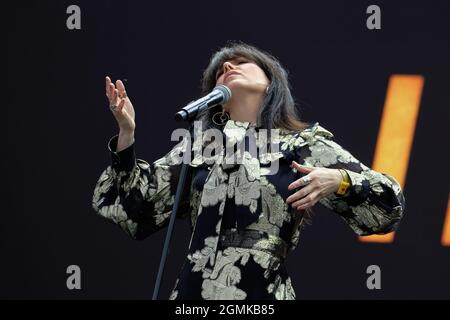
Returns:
<point x="227" y="66"/>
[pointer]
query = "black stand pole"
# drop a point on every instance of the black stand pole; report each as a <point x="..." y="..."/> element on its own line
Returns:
<point x="180" y="187"/>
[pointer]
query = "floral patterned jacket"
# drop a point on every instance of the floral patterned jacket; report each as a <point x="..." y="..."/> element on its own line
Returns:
<point x="242" y="228"/>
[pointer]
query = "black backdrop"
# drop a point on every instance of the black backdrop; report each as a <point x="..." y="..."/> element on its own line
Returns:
<point x="56" y="122"/>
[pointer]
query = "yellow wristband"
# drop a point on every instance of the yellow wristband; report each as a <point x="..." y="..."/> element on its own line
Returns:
<point x="344" y="185"/>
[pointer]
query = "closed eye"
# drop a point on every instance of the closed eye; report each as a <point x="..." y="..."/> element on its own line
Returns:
<point x="221" y="71"/>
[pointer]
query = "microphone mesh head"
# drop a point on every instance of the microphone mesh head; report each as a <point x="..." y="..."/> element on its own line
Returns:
<point x="225" y="91"/>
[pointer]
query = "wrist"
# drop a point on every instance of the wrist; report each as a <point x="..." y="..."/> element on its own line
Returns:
<point x="126" y="133"/>
<point x="125" y="139"/>
<point x="344" y="183"/>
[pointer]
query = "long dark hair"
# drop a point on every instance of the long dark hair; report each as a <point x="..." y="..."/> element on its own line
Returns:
<point x="279" y="110"/>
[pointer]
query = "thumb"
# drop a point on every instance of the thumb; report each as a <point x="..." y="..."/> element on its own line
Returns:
<point x="302" y="168"/>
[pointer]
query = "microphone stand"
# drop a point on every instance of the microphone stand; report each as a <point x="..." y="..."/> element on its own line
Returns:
<point x="180" y="187"/>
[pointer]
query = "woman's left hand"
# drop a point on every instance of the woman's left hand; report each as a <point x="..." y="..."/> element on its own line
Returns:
<point x="324" y="181"/>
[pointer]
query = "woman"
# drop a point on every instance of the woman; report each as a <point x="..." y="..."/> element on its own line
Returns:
<point x="245" y="217"/>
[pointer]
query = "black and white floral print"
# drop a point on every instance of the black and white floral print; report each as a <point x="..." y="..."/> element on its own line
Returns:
<point x="242" y="228"/>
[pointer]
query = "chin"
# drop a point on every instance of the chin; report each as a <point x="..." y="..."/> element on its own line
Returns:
<point x="235" y="85"/>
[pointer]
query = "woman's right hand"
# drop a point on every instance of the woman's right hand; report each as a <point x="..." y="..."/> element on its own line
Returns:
<point x="124" y="112"/>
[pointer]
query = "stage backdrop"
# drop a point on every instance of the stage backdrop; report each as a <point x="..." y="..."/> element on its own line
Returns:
<point x="384" y="93"/>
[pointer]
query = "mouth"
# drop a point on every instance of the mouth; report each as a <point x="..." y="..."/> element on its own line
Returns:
<point x="231" y="73"/>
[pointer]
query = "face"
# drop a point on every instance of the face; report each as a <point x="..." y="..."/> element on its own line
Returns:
<point x="240" y="74"/>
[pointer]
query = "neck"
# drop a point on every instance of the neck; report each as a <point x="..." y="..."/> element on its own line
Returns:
<point x="244" y="108"/>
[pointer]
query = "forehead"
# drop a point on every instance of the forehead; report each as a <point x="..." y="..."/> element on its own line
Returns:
<point x="233" y="57"/>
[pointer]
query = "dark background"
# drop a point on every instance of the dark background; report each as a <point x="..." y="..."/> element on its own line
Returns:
<point x="56" y="122"/>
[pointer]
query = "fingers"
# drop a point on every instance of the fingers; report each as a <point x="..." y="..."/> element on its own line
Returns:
<point x="121" y="105"/>
<point x="299" y="194"/>
<point x="298" y="183"/>
<point x="120" y="86"/>
<point x="114" y="97"/>
<point x="110" y="93"/>
<point x="118" y="107"/>
<point x="307" y="202"/>
<point x="107" y="83"/>
<point x="117" y="95"/>
<point x="110" y="88"/>
<point x="302" y="168"/>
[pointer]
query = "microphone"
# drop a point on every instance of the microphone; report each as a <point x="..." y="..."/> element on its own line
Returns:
<point x="220" y="94"/>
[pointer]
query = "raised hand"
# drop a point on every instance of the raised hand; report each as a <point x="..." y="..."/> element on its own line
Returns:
<point x="120" y="106"/>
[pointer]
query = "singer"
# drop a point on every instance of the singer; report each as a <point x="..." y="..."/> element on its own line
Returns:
<point x="245" y="218"/>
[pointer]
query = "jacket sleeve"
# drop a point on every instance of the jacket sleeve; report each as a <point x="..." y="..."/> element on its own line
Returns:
<point x="375" y="203"/>
<point x="139" y="196"/>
